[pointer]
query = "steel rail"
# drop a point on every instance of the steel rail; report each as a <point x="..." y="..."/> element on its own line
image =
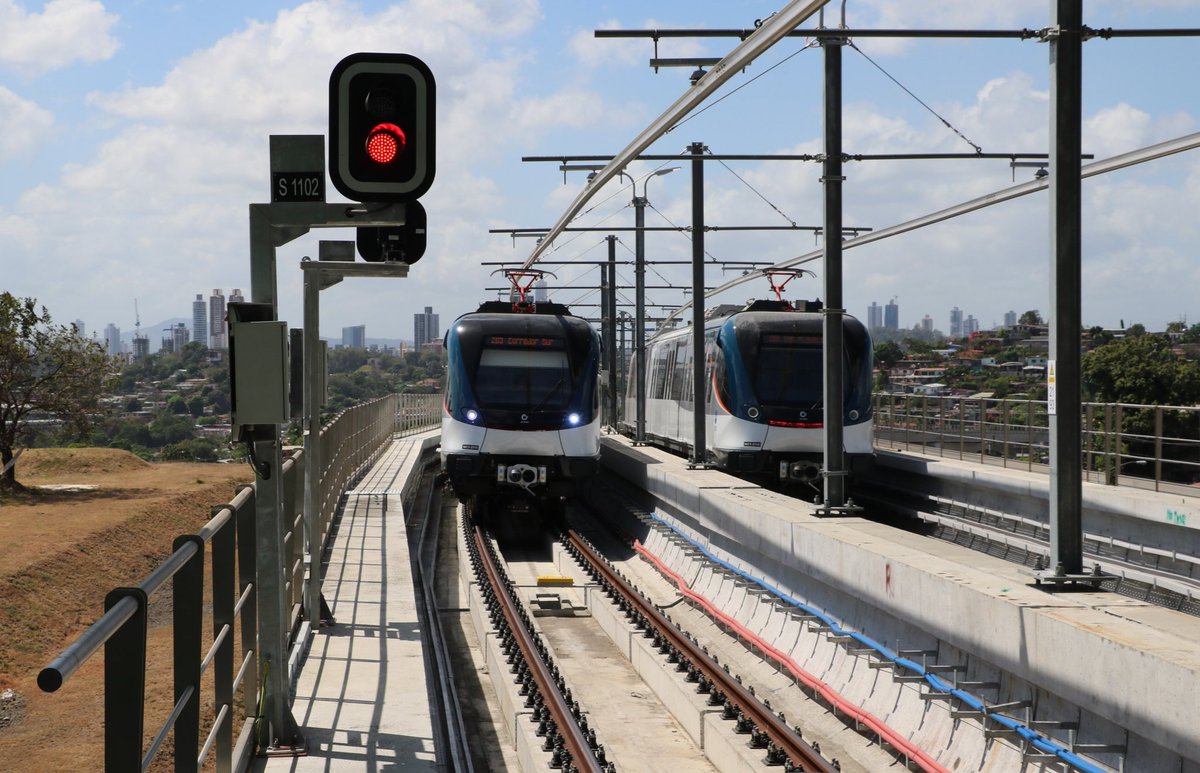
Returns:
<point x="783" y="736"/>
<point x="574" y="740"/>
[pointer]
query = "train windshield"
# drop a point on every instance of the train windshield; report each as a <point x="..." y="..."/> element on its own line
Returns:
<point x="527" y="378"/>
<point x="789" y="369"/>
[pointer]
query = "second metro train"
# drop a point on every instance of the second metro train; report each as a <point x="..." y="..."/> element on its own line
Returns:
<point x="765" y="391"/>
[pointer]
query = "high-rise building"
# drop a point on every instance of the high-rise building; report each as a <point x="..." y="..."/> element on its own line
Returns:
<point x="970" y="325"/>
<point x="112" y="339"/>
<point x="236" y="296"/>
<point x="874" y="316"/>
<point x="1010" y="319"/>
<point x="200" y="321"/>
<point x="927" y="323"/>
<point x="141" y="347"/>
<point x="956" y="322"/>
<point x="179" y="337"/>
<point x="354" y="337"/>
<point x="891" y="315"/>
<point x="80" y="330"/>
<point x="539" y="293"/>
<point x="216" y="321"/>
<point x="425" y="328"/>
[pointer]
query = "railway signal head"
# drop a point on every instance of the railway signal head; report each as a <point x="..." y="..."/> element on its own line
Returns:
<point x="381" y="127"/>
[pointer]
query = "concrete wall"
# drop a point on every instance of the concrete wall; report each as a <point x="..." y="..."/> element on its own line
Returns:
<point x="1129" y="665"/>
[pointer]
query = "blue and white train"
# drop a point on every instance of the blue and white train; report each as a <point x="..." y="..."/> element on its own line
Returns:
<point x="765" y="391"/>
<point x="521" y="414"/>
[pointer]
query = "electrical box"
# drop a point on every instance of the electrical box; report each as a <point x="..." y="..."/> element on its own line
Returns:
<point x="258" y="372"/>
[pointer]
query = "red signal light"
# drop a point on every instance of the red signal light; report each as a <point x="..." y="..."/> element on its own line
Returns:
<point x="385" y="143"/>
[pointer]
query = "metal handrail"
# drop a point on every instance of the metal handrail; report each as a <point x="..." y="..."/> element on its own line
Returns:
<point x="353" y="439"/>
<point x="1120" y="440"/>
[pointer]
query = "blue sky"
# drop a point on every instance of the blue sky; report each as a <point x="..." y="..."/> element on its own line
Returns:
<point x="134" y="134"/>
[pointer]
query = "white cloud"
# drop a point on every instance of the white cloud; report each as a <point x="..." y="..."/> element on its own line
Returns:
<point x="64" y="32"/>
<point x="23" y="125"/>
<point x="169" y="189"/>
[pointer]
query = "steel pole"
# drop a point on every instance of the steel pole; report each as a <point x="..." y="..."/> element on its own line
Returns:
<point x="312" y="445"/>
<point x="273" y="614"/>
<point x="699" y="447"/>
<point x="639" y="323"/>
<point x="835" y="462"/>
<point x="610" y="330"/>
<point x="1064" y="402"/>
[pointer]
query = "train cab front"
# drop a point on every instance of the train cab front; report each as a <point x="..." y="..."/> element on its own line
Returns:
<point x="522" y="410"/>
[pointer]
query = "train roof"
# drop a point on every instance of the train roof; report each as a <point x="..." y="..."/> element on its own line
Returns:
<point x="759" y="310"/>
<point x="507" y="307"/>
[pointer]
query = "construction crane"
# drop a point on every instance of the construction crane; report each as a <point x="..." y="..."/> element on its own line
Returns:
<point x="137" y="321"/>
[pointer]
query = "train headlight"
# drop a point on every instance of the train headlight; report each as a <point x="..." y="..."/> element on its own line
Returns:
<point x="573" y="419"/>
<point x="472" y="415"/>
<point x="752" y="412"/>
<point x="853" y="415"/>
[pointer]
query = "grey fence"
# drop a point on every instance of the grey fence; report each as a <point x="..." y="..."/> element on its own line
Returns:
<point x="1154" y="446"/>
<point x="220" y="658"/>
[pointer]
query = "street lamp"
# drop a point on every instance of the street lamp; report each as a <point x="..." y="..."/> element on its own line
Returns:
<point x="639" y="333"/>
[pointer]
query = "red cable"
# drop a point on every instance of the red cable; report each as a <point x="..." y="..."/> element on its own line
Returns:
<point x="831" y="695"/>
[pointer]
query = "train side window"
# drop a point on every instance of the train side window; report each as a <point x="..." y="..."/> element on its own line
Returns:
<point x="662" y="373"/>
<point x="679" y="375"/>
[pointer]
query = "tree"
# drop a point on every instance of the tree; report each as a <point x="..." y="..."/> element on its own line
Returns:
<point x="1140" y="370"/>
<point x="888" y="354"/>
<point x="1031" y="317"/>
<point x="44" y="369"/>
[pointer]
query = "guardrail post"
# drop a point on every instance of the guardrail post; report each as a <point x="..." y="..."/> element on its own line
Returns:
<point x="941" y="426"/>
<point x="1158" y="445"/>
<point x="125" y="685"/>
<point x="1005" y="417"/>
<point x="982" y="427"/>
<point x="247" y="539"/>
<point x="1029" y="432"/>
<point x="223" y="597"/>
<point x="187" y="594"/>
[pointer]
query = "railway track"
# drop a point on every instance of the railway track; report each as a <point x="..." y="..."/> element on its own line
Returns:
<point x="782" y="744"/>
<point x="734" y="680"/>
<point x="569" y="740"/>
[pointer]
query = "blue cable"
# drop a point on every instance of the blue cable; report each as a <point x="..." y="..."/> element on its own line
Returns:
<point x="1039" y="741"/>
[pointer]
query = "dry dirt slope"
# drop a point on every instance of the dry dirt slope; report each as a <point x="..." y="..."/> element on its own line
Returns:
<point x="60" y="553"/>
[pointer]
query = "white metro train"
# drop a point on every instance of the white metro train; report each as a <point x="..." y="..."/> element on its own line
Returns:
<point x="765" y="391"/>
<point x="521" y="414"/>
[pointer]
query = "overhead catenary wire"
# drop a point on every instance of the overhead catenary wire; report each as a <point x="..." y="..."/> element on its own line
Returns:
<point x="772" y="30"/>
<point x="909" y="92"/>
<point x="1121" y="161"/>
<point x="758" y="193"/>
<point x="724" y="97"/>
